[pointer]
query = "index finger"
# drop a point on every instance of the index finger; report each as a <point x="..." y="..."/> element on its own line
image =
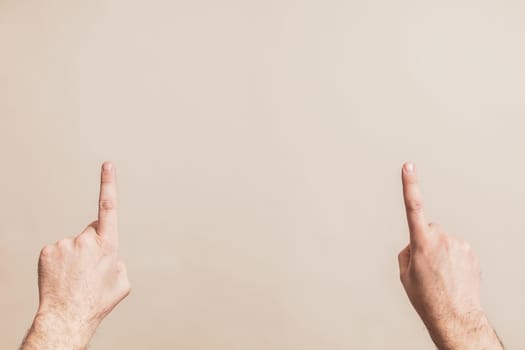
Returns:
<point x="417" y="223"/>
<point x="107" y="203"/>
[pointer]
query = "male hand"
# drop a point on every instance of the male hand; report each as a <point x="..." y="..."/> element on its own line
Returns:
<point x="81" y="279"/>
<point x="441" y="277"/>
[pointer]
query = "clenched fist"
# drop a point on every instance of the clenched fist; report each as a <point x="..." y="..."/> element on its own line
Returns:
<point x="441" y="277"/>
<point x="80" y="279"/>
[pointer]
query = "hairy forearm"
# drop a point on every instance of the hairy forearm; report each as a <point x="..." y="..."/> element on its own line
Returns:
<point x="471" y="333"/>
<point x="52" y="332"/>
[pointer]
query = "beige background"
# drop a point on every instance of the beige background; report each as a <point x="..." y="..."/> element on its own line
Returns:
<point x="258" y="147"/>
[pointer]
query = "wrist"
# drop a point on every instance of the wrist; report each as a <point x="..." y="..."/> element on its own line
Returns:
<point x="57" y="331"/>
<point x="470" y="331"/>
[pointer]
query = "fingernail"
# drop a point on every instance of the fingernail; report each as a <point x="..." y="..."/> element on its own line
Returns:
<point x="107" y="166"/>
<point x="409" y="167"/>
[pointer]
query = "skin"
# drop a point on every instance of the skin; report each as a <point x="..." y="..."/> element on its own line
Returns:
<point x="441" y="276"/>
<point x="80" y="279"/>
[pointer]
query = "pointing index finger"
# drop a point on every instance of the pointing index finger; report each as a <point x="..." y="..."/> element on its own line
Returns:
<point x="107" y="203"/>
<point x="417" y="222"/>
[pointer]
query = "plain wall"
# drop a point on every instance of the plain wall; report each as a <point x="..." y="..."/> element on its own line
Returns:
<point x="258" y="147"/>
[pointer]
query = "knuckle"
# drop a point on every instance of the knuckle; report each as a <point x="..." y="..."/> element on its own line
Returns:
<point x="121" y="266"/>
<point x="106" y="177"/>
<point x="46" y="252"/>
<point x="123" y="277"/>
<point x="465" y="245"/>
<point x="83" y="240"/>
<point x="107" y="204"/>
<point x="414" y="204"/>
<point x="63" y="244"/>
<point x="460" y="244"/>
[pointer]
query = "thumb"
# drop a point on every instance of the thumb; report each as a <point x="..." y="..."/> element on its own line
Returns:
<point x="403" y="259"/>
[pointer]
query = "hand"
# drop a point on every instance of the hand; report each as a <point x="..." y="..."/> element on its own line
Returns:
<point x="441" y="277"/>
<point x="81" y="279"/>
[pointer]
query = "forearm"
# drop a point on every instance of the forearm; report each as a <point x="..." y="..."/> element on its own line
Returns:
<point x="472" y="333"/>
<point x="52" y="332"/>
